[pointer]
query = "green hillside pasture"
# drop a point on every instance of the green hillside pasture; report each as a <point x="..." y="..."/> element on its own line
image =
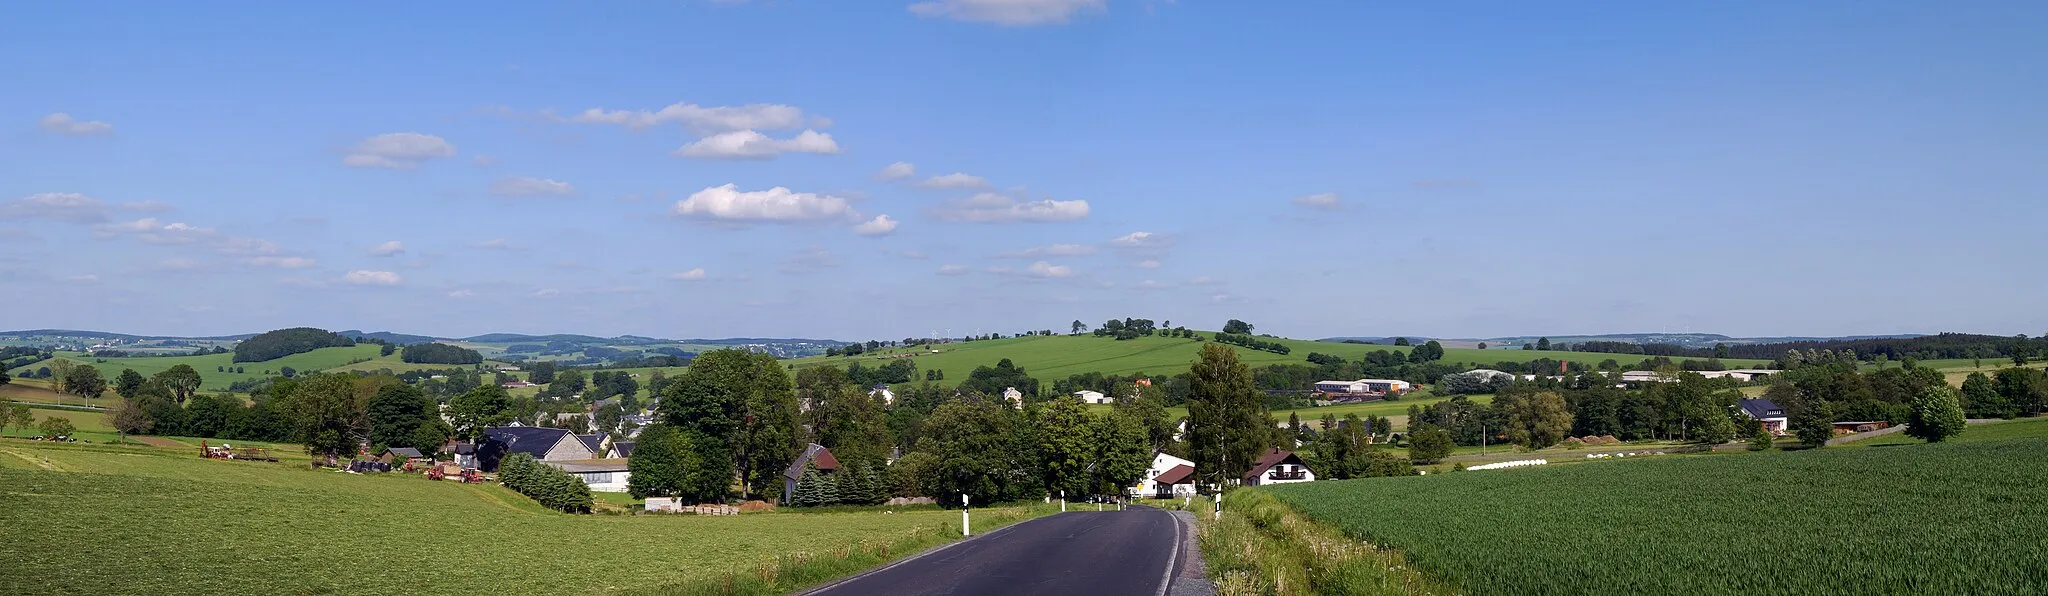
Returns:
<point x="183" y="525"/>
<point x="1957" y="518"/>
<point x="316" y="360"/>
<point x="92" y="426"/>
<point x="1060" y="356"/>
<point x="397" y="366"/>
<point x="1989" y="431"/>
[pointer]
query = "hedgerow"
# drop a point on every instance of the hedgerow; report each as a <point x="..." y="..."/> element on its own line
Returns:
<point x="552" y="488"/>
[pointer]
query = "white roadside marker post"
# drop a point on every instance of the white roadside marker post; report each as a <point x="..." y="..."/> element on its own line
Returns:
<point x="965" y="530"/>
<point x="1063" y="501"/>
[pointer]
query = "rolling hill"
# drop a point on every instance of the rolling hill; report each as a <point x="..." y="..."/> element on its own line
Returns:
<point x="1056" y="357"/>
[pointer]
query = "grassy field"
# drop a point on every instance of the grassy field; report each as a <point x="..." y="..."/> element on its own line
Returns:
<point x="112" y="520"/>
<point x="1992" y="431"/>
<point x="1057" y="357"/>
<point x="1395" y="411"/>
<point x="1956" y="518"/>
<point x="316" y="360"/>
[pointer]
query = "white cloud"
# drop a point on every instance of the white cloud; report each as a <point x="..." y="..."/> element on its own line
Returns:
<point x="496" y="244"/>
<point x="1204" y="281"/>
<point x="775" y="205"/>
<point x="1148" y="264"/>
<point x="1006" y="12"/>
<point x="68" y="207"/>
<point x="388" y="249"/>
<point x="282" y="262"/>
<point x="703" y="120"/>
<point x="399" y="150"/>
<point x="1328" y="201"/>
<point x="462" y="294"/>
<point x="151" y="231"/>
<point x="881" y="225"/>
<point x="62" y="123"/>
<point x="691" y="275"/>
<point x="954" y="180"/>
<point x="1055" y="250"/>
<point x="952" y="270"/>
<point x="365" y="277"/>
<point x="897" y="171"/>
<point x="749" y="144"/>
<point x="1142" y="240"/>
<point x="522" y="186"/>
<point x="1151" y="285"/>
<point x="990" y="207"/>
<point x="1044" y="269"/>
<point x="545" y="292"/>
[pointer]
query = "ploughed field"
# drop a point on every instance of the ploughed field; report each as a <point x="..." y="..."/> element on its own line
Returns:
<point x="1953" y="518"/>
<point x="91" y="519"/>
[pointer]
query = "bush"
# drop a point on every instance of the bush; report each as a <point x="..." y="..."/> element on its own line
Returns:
<point x="552" y="488"/>
<point x="1474" y="381"/>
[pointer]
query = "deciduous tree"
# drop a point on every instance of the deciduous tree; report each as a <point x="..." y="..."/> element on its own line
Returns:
<point x="1937" y="415"/>
<point x="128" y="383"/>
<point x="660" y="465"/>
<point x="84" y="380"/>
<point x="182" y="380"/>
<point x="1429" y="445"/>
<point x="54" y="427"/>
<point x="1064" y="445"/>
<point x="1226" y="416"/>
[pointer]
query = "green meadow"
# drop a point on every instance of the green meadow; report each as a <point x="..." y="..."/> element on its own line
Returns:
<point x="208" y="365"/>
<point x="93" y="519"/>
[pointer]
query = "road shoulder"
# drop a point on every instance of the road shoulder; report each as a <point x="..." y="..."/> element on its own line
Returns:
<point x="1191" y="577"/>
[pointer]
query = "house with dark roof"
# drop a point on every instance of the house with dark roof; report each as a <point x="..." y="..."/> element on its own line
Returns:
<point x="620" y="450"/>
<point x="544" y="444"/>
<point x="596" y="442"/>
<point x="1278" y="467"/>
<point x="1169" y="477"/>
<point x="814" y="455"/>
<point x="399" y="455"/>
<point x="1765" y="412"/>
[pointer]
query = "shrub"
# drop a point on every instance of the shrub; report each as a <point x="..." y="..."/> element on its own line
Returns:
<point x="552" y="488"/>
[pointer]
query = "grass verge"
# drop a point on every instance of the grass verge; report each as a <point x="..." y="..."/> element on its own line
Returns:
<point x="792" y="572"/>
<point x="1261" y="547"/>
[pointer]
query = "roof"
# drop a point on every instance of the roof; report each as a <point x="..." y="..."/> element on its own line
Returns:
<point x="465" y="448"/>
<point x="1761" y="408"/>
<point x="594" y="442"/>
<point x="1181" y="474"/>
<point x="814" y="454"/>
<point x="404" y="452"/>
<point x="530" y="440"/>
<point x="591" y="465"/>
<point x="1272" y="457"/>
<point x="625" y="448"/>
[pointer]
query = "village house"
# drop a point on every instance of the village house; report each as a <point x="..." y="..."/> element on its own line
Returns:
<point x="1278" y="467"/>
<point x="620" y="450"/>
<point x="883" y="393"/>
<point x="544" y="444"/>
<point x="1765" y="412"/>
<point x="397" y="456"/>
<point x="602" y="475"/>
<point x="1168" y="477"/>
<point x="1012" y="395"/>
<point x="814" y="455"/>
<point x="1091" y="397"/>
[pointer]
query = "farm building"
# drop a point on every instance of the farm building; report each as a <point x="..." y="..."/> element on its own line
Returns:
<point x="1091" y="397"/>
<point x="1642" y="376"/>
<point x="1765" y="412"/>
<point x="1278" y="467"/>
<point x="1012" y="395"/>
<point x="1363" y="388"/>
<point x="1168" y="477"/>
<point x="544" y="444"/>
<point x="813" y="455"/>
<point x="516" y="384"/>
<point x="883" y="393"/>
<point x="399" y="455"/>
<point x="602" y="475"/>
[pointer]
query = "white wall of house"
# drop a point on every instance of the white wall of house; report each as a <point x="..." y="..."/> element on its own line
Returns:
<point x="1270" y="477"/>
<point x="1091" y="397"/>
<point x="605" y="482"/>
<point x="1162" y="462"/>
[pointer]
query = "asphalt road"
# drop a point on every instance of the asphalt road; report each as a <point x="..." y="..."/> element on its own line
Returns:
<point x="1078" y="553"/>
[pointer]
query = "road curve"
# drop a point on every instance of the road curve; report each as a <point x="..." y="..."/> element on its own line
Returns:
<point x="1078" y="553"/>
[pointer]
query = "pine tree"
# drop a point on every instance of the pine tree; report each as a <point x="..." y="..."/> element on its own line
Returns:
<point x="809" y="492"/>
<point x="828" y="488"/>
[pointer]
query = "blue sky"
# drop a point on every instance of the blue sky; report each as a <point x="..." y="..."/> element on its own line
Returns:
<point x="786" y="168"/>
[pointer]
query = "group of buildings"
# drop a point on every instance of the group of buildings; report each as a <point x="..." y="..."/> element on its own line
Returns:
<point x="1171" y="477"/>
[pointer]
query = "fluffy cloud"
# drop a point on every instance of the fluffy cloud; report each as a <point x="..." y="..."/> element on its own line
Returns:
<point x="897" y="171"/>
<point x="955" y="180"/>
<point x="462" y="294"/>
<point x="691" y="275"/>
<point x="1328" y="201"/>
<point x="152" y="231"/>
<point x="496" y="244"/>
<point x="703" y="120"/>
<point x="750" y="144"/>
<point x="399" y="150"/>
<point x="1055" y="250"/>
<point x="1142" y="240"/>
<point x="282" y="262"/>
<point x="952" y="270"/>
<point x="990" y="207"/>
<point x="776" y="205"/>
<point x="365" y="277"/>
<point x="68" y="207"/>
<point x="881" y="225"/>
<point x="521" y="186"/>
<point x="62" y="123"/>
<point x="388" y="249"/>
<point x="148" y="207"/>
<point x="1006" y="12"/>
<point x="1042" y="269"/>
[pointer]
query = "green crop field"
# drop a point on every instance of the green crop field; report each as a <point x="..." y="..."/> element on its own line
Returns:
<point x="1990" y="431"/>
<point x="85" y="519"/>
<point x="1059" y="356"/>
<point x="1957" y="518"/>
<point x="213" y="380"/>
